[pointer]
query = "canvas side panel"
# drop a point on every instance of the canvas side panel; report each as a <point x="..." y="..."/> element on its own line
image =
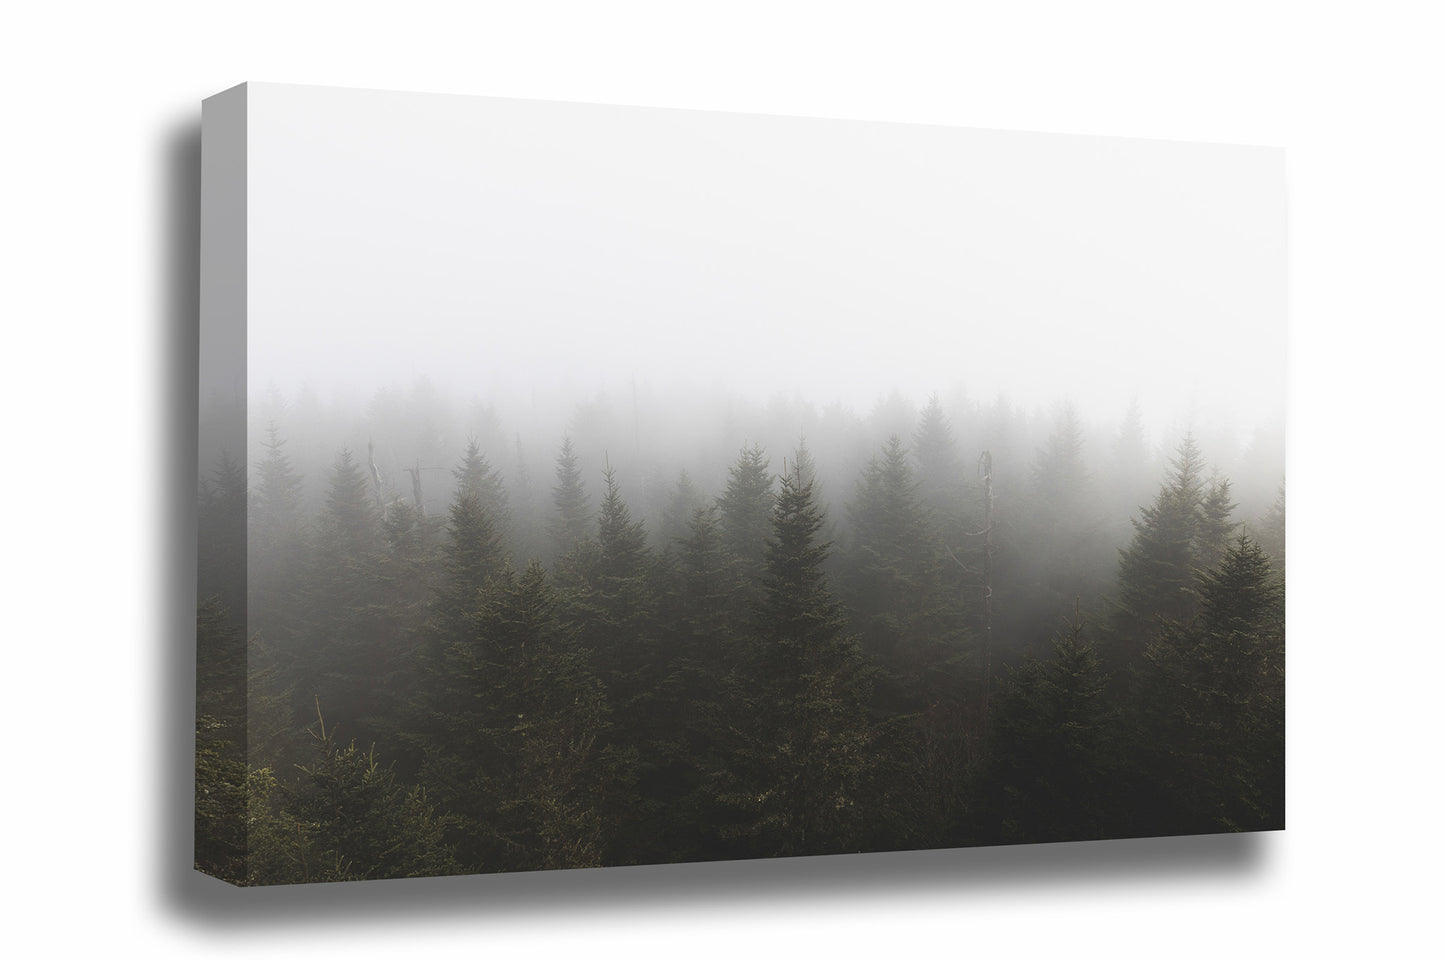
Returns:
<point x="220" y="839"/>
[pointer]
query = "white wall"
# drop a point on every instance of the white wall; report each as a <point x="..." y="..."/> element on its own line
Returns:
<point x="100" y="107"/>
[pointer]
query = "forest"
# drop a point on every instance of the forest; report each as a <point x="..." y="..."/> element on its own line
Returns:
<point x="434" y="638"/>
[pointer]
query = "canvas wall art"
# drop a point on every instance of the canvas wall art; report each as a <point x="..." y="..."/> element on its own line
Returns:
<point x="586" y="486"/>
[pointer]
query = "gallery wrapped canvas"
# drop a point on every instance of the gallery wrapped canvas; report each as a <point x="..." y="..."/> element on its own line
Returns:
<point x="592" y="485"/>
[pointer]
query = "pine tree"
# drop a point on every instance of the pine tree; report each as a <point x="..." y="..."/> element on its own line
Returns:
<point x="339" y="589"/>
<point x="908" y="614"/>
<point x="573" y="518"/>
<point x="1210" y="738"/>
<point x="1158" y="569"/>
<point x="477" y="477"/>
<point x="512" y="726"/>
<point x="677" y="517"/>
<point x="347" y="818"/>
<point x="1215" y="525"/>
<point x="278" y="492"/>
<point x="746" y="507"/>
<point x="940" y="474"/>
<point x="807" y="749"/>
<point x="1052" y="762"/>
<point x="1271" y="533"/>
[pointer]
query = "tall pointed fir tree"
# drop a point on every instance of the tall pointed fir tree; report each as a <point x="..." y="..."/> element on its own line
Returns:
<point x="279" y="549"/>
<point x="805" y="747"/>
<point x="1208" y="743"/>
<point x="511" y="727"/>
<point x="341" y="585"/>
<point x="572" y="520"/>
<point x="940" y="475"/>
<point x="746" y="507"/>
<point x="1052" y="760"/>
<point x="608" y="601"/>
<point x="345" y="817"/>
<point x="1215" y="526"/>
<point x="471" y="555"/>
<point x="904" y="603"/>
<point x="1270" y="533"/>
<point x="476" y="476"/>
<point x="703" y="620"/>
<point x="1158" y="569"/>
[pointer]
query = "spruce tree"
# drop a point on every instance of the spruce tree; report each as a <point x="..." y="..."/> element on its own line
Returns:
<point x="347" y="817"/>
<point x="806" y="750"/>
<point x="572" y="521"/>
<point x="477" y="477"/>
<point x="1052" y="761"/>
<point x="1209" y="741"/>
<point x="1158" y="569"/>
<point x="1270" y="533"/>
<point x="906" y="610"/>
<point x="1215" y="526"/>
<point x="746" y="508"/>
<point x="340" y="588"/>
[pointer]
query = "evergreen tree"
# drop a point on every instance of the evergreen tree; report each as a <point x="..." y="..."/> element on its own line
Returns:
<point x="746" y="507"/>
<point x="340" y="588"/>
<point x="529" y="521"/>
<point x="513" y="732"/>
<point x="1210" y="739"/>
<point x="807" y="749"/>
<point x="473" y="552"/>
<point x="1215" y="527"/>
<point x="1271" y="533"/>
<point x="348" y="818"/>
<point x="941" y="487"/>
<point x="908" y="614"/>
<point x="278" y="492"/>
<point x="279" y="554"/>
<point x="477" y="477"/>
<point x="574" y="511"/>
<point x="1158" y="569"/>
<point x="1060" y="556"/>
<point x="1052" y="763"/>
<point x="677" y="517"/>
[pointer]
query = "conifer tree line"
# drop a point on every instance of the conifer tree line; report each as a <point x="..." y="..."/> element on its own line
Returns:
<point x="466" y="660"/>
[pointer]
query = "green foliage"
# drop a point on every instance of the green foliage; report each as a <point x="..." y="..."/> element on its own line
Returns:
<point x="1271" y="533"/>
<point x="220" y="745"/>
<point x="477" y="478"/>
<point x="346" y="819"/>
<point x="904" y="601"/>
<point x="1173" y="539"/>
<point x="513" y="726"/>
<point x="746" y="508"/>
<point x="1052" y="762"/>
<point x="574" y="511"/>
<point x="1210" y="734"/>
<point x="804" y="745"/>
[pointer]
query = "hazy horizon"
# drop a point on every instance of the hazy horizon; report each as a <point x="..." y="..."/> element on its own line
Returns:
<point x="536" y="255"/>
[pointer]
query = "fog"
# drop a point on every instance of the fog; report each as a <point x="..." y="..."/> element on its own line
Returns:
<point x="534" y="256"/>
<point x="650" y="486"/>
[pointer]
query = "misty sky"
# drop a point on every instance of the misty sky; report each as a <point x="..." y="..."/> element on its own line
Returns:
<point x="533" y="253"/>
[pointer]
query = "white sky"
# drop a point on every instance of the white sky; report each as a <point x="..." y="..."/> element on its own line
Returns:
<point x="534" y="252"/>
